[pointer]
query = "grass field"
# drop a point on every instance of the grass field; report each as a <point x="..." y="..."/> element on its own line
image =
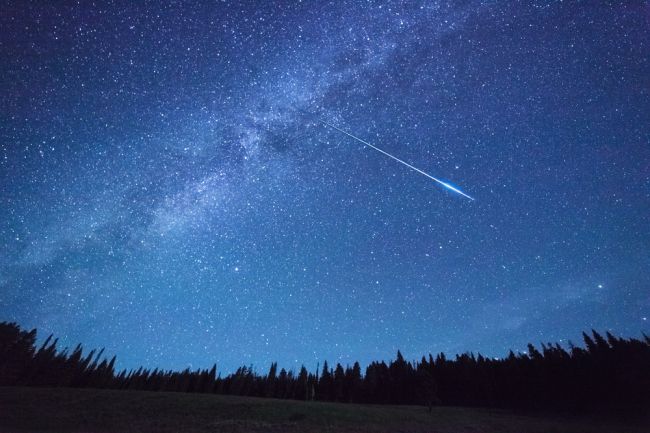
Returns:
<point x="89" y="411"/>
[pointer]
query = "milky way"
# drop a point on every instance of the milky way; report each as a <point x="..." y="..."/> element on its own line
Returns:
<point x="164" y="195"/>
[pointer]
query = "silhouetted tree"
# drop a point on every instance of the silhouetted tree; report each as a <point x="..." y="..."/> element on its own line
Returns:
<point x="609" y="373"/>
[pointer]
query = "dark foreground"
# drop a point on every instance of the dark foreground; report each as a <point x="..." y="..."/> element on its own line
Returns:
<point x="86" y="410"/>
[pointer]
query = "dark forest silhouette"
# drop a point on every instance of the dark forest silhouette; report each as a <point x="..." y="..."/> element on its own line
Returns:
<point x="609" y="373"/>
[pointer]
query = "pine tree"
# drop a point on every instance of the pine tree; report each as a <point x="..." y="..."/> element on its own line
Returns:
<point x="325" y="383"/>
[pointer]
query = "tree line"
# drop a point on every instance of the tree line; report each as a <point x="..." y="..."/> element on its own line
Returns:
<point x="607" y="373"/>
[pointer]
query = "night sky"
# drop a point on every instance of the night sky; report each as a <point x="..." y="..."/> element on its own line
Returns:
<point x="168" y="190"/>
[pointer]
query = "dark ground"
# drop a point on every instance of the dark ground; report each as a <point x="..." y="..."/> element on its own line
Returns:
<point x="88" y="410"/>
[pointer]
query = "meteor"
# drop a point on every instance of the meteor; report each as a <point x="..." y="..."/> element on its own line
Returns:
<point x="444" y="184"/>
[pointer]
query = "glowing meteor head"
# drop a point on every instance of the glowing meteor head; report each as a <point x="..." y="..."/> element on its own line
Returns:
<point x="455" y="189"/>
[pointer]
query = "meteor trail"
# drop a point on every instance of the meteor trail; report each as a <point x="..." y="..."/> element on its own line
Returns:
<point x="445" y="184"/>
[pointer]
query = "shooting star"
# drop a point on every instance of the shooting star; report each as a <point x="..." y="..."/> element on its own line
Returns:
<point x="444" y="184"/>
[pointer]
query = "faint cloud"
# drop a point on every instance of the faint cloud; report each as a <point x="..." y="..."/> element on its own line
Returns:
<point x="512" y="323"/>
<point x="516" y="309"/>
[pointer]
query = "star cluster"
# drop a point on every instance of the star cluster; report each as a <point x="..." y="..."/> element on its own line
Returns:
<point x="167" y="189"/>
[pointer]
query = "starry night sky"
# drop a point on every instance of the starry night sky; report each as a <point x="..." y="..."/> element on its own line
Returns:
<point x="168" y="192"/>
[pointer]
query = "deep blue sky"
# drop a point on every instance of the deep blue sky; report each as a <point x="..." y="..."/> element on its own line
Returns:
<point x="167" y="190"/>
